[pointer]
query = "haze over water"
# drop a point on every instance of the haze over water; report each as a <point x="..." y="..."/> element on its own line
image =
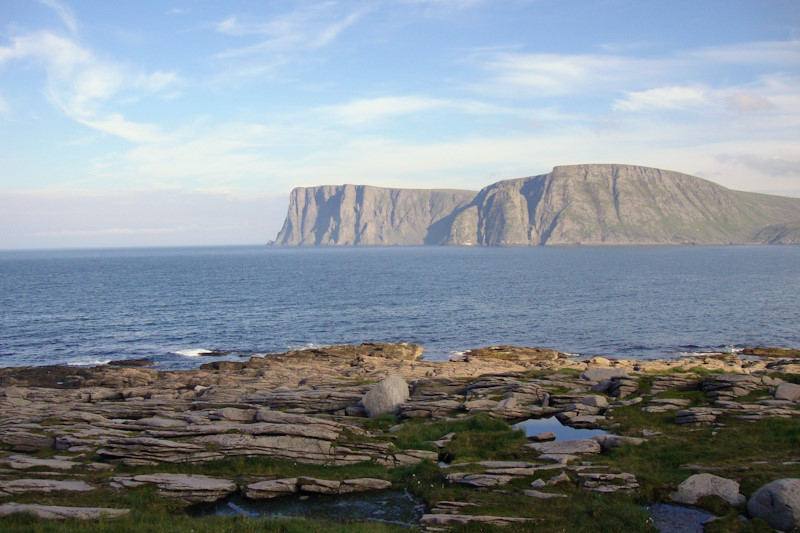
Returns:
<point x="89" y="307"/>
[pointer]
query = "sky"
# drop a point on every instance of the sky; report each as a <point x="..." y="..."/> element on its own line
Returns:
<point x="188" y="122"/>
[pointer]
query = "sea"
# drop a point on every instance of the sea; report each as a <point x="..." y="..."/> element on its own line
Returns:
<point x="181" y="307"/>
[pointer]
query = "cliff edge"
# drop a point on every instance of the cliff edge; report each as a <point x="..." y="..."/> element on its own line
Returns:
<point x="572" y="205"/>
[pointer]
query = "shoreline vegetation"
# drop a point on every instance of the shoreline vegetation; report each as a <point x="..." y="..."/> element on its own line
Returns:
<point x="129" y="448"/>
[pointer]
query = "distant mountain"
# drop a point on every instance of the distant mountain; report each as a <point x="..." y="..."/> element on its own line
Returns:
<point x="579" y="204"/>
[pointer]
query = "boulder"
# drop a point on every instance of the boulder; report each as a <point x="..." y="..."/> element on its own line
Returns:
<point x="778" y="503"/>
<point x="700" y="485"/>
<point x="612" y="442"/>
<point x="386" y="397"/>
<point x="593" y="400"/>
<point x="788" y="391"/>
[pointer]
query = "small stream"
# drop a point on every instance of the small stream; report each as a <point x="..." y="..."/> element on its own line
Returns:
<point x="391" y="506"/>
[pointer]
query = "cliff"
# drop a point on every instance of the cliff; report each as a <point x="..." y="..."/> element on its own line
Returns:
<point x="363" y="215"/>
<point x="579" y="204"/>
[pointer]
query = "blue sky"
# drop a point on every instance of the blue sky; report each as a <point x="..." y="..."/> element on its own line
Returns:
<point x="136" y="122"/>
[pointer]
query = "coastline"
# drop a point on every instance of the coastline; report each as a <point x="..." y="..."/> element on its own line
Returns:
<point x="244" y="428"/>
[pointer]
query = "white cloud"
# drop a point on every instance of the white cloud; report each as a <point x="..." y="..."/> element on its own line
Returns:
<point x="664" y="98"/>
<point x="748" y="102"/>
<point x="64" y="13"/>
<point x="81" y="85"/>
<point x="116" y="124"/>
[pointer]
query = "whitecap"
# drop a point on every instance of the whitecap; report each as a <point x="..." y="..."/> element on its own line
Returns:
<point x="85" y="362"/>
<point x="192" y="352"/>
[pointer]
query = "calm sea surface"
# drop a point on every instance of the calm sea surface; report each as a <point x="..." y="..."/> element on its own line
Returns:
<point x="168" y="305"/>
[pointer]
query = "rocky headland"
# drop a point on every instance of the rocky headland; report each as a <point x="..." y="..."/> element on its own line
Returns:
<point x="130" y="444"/>
<point x="577" y="204"/>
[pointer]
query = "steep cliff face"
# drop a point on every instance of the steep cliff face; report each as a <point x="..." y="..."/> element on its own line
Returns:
<point x="362" y="215"/>
<point x="580" y="204"/>
<point x="615" y="204"/>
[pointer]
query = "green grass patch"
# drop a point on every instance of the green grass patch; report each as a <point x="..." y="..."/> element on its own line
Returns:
<point x="477" y="437"/>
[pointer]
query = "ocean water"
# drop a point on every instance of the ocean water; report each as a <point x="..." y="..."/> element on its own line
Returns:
<point x="171" y="305"/>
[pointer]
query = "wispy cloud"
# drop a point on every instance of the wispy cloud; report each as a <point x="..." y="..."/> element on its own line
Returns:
<point x="64" y="13"/>
<point x="307" y="28"/>
<point x="541" y="75"/>
<point x="81" y="85"/>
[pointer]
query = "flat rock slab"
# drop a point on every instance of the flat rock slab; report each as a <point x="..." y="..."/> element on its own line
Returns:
<point x="192" y="488"/>
<point x="479" y="480"/>
<point x="700" y="485"/>
<point x="543" y="495"/>
<point x="567" y="447"/>
<point x="276" y="488"/>
<point x="55" y="512"/>
<point x="22" y="462"/>
<point x="19" y="486"/>
<point x="603" y="374"/>
<point x="447" y="520"/>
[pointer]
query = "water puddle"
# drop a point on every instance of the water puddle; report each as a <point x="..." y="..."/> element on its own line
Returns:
<point x="535" y="426"/>
<point x="677" y="519"/>
<point x="391" y="506"/>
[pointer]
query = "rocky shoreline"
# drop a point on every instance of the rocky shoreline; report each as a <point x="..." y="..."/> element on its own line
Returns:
<point x="67" y="433"/>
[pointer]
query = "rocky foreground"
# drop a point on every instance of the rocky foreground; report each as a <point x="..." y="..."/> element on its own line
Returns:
<point x="69" y="434"/>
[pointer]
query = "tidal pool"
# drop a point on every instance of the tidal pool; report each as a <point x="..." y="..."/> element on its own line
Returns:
<point x="677" y="519"/>
<point x="534" y="426"/>
<point x="391" y="506"/>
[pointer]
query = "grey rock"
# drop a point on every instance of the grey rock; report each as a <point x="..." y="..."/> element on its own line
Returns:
<point x="386" y="397"/>
<point x="18" y="486"/>
<point x="788" y="391"/>
<point x="436" y="520"/>
<point x="594" y="400"/>
<point x="543" y="495"/>
<point x="700" y="485"/>
<point x="603" y="374"/>
<point x="479" y="480"/>
<point x="568" y="447"/>
<point x="273" y="488"/>
<point x="612" y="442"/>
<point x="25" y="441"/>
<point x="778" y="503"/>
<point x="190" y="488"/>
<point x="55" y="512"/>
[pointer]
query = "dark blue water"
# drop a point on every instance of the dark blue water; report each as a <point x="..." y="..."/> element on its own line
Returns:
<point x="92" y="306"/>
